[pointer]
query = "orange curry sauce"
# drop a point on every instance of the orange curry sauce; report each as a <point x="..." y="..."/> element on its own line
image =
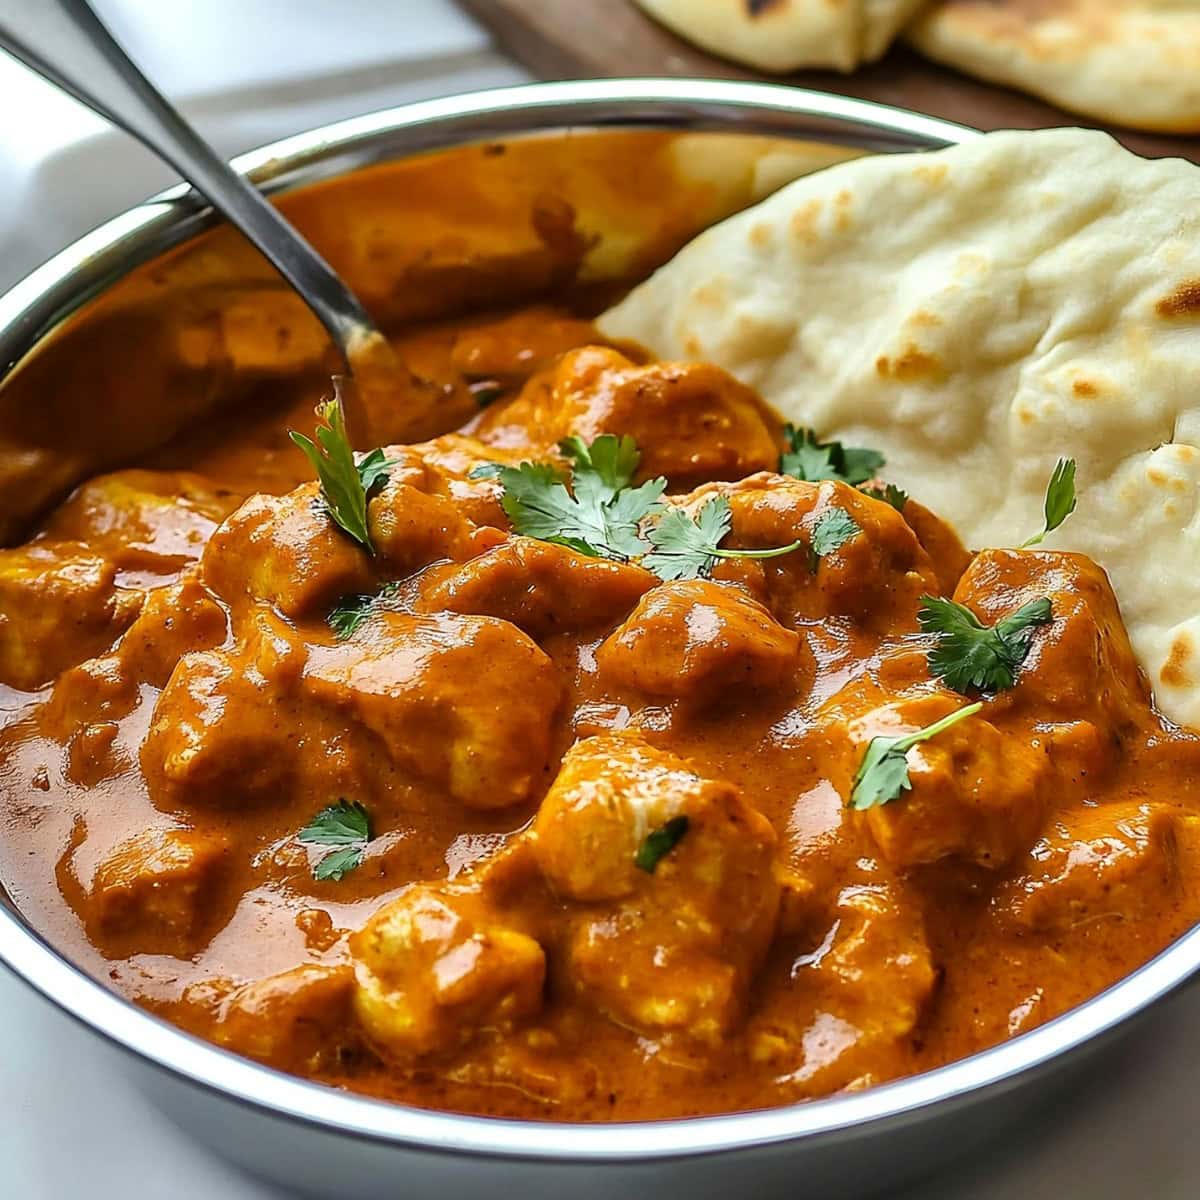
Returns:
<point x="516" y="718"/>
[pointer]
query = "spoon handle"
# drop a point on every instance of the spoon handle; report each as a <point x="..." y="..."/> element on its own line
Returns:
<point x="65" y="42"/>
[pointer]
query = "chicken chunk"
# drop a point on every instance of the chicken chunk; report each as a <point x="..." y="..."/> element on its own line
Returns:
<point x="692" y="421"/>
<point x="978" y="794"/>
<point x="97" y="690"/>
<point x="540" y="587"/>
<point x="464" y="702"/>
<point x="434" y="969"/>
<point x="857" y="993"/>
<point x="59" y="605"/>
<point x="699" y="641"/>
<point x="174" y="619"/>
<point x="155" y="892"/>
<point x="861" y="559"/>
<point x="670" y="947"/>
<point x="150" y="523"/>
<point x="1110" y="861"/>
<point x="1079" y="667"/>
<point x="881" y="936"/>
<point x="227" y="728"/>
<point x="285" y="550"/>
<point x="454" y="457"/>
<point x="412" y="528"/>
<point x="299" y="1020"/>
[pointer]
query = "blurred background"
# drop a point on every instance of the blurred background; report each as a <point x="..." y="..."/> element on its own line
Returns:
<point x="250" y="71"/>
<point x="292" y="65"/>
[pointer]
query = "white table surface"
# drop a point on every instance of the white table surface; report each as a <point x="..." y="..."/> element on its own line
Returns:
<point x="248" y="71"/>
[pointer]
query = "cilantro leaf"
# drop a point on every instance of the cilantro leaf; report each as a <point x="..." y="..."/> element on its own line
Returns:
<point x="601" y="479"/>
<point x="889" y="494"/>
<point x="604" y="516"/>
<point x="833" y="529"/>
<point x="688" y="548"/>
<point x="860" y="465"/>
<point x="345" y="825"/>
<point x="1060" y="500"/>
<point x="341" y="824"/>
<point x="595" y="522"/>
<point x="970" y="655"/>
<point x="347" y="615"/>
<point x="373" y="469"/>
<point x="806" y="458"/>
<point x="346" y="482"/>
<point x="538" y="504"/>
<point x="685" y="548"/>
<point x="882" y="776"/>
<point x="605" y="467"/>
<point x="660" y="843"/>
<point x="351" y="611"/>
<point x="338" y="863"/>
<point x="626" y="511"/>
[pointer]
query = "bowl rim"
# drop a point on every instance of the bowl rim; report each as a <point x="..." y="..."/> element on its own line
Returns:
<point x="51" y="292"/>
<point x="34" y="305"/>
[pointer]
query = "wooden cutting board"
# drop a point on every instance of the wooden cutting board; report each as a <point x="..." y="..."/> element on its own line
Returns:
<point x="596" y="39"/>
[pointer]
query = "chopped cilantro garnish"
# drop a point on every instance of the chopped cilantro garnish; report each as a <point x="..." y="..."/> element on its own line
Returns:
<point x="814" y="461"/>
<point x="833" y="530"/>
<point x="346" y="482"/>
<point x="594" y="521"/>
<point x="889" y="494"/>
<point x="1060" y="500"/>
<point x="660" y="843"/>
<point x="345" y="825"/>
<point x="689" y="548"/>
<point x="605" y="467"/>
<point x="604" y="515"/>
<point x="970" y="655"/>
<point x="882" y="775"/>
<point x="351" y="611"/>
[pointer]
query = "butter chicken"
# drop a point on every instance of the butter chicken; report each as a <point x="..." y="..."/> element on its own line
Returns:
<point x="619" y="755"/>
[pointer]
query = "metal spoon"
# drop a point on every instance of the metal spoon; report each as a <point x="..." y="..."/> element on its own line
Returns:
<point x="65" y="42"/>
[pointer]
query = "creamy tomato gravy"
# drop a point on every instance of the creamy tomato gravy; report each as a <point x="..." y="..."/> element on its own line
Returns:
<point x="516" y="717"/>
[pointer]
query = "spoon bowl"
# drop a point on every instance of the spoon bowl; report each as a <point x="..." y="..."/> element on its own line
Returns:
<point x="66" y="43"/>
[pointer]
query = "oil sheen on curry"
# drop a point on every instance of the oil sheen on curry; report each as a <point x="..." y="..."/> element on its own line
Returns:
<point x="686" y="768"/>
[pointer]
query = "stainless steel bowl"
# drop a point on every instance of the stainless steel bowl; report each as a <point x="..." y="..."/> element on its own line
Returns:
<point x="325" y="1142"/>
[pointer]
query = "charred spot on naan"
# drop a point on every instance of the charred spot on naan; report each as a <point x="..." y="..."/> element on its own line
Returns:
<point x="1184" y="301"/>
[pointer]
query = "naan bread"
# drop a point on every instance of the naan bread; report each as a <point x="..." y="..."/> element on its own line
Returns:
<point x="975" y="313"/>
<point x="1131" y="62"/>
<point x="784" y="35"/>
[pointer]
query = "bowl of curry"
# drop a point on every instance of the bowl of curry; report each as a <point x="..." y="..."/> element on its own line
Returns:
<point x="614" y="771"/>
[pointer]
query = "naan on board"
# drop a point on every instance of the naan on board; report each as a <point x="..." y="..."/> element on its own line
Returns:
<point x="785" y="35"/>
<point x="976" y="313"/>
<point x="1131" y="62"/>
